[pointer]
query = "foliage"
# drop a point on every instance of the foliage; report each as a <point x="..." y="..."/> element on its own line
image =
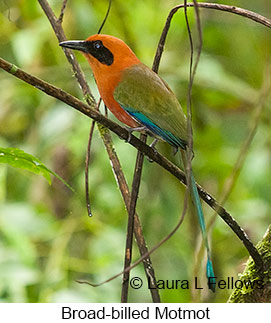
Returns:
<point x="17" y="158"/>
<point x="246" y="291"/>
<point x="47" y="241"/>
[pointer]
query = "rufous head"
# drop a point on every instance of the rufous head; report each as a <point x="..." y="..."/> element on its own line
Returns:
<point x="104" y="53"/>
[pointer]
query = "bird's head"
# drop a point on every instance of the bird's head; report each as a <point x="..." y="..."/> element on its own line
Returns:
<point x="104" y="53"/>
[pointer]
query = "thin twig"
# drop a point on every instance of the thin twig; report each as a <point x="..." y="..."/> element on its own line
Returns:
<point x="192" y="71"/>
<point x="60" y="18"/>
<point x="130" y="224"/>
<point x="135" y="142"/>
<point x="196" y="6"/>
<point x="105" y="18"/>
<point x="87" y="167"/>
<point x="232" y="9"/>
<point x="87" y="162"/>
<point x="142" y="258"/>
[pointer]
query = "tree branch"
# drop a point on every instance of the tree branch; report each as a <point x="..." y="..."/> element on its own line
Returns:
<point x="135" y="142"/>
<point x="232" y="9"/>
<point x="130" y="224"/>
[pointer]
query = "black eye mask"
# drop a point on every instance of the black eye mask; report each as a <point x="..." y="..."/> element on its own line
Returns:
<point x="95" y="48"/>
<point x="100" y="52"/>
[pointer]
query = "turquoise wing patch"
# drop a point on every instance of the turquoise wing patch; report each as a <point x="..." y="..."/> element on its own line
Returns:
<point x="166" y="135"/>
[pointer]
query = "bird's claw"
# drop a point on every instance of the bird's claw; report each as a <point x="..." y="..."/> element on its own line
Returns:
<point x="131" y="130"/>
<point x="152" y="145"/>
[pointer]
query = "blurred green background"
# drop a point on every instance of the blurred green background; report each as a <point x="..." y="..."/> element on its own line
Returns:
<point x="47" y="241"/>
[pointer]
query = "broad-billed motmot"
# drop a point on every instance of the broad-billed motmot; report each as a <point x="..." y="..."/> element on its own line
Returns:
<point x="139" y="97"/>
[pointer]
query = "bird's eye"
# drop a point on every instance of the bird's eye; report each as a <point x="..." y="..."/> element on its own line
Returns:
<point x="97" y="44"/>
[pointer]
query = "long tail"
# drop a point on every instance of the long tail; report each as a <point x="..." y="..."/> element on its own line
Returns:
<point x="196" y="201"/>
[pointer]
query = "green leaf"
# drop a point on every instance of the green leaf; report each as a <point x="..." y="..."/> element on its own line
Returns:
<point x="18" y="158"/>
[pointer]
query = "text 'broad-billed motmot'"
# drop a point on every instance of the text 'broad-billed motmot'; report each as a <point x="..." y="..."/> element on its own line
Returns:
<point x="138" y="96"/>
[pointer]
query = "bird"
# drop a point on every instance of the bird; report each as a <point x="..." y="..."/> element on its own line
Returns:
<point x="141" y="99"/>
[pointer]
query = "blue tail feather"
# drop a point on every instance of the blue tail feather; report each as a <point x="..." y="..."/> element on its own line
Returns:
<point x="209" y="266"/>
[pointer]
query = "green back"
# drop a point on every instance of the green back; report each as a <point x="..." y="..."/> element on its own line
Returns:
<point x="141" y="90"/>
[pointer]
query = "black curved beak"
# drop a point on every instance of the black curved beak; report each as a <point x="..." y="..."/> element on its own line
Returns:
<point x="75" y="44"/>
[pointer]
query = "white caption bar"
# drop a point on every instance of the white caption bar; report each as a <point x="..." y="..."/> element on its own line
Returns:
<point x="140" y="312"/>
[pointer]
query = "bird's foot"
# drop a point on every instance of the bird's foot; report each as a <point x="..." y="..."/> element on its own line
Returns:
<point x="152" y="145"/>
<point x="191" y="154"/>
<point x="131" y="130"/>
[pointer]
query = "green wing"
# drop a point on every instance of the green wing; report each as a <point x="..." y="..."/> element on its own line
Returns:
<point x="144" y="95"/>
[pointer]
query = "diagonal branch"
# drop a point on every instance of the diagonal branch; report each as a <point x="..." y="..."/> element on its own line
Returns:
<point x="138" y="144"/>
<point x="232" y="9"/>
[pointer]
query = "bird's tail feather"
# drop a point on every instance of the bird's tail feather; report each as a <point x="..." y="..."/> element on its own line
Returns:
<point x="196" y="201"/>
